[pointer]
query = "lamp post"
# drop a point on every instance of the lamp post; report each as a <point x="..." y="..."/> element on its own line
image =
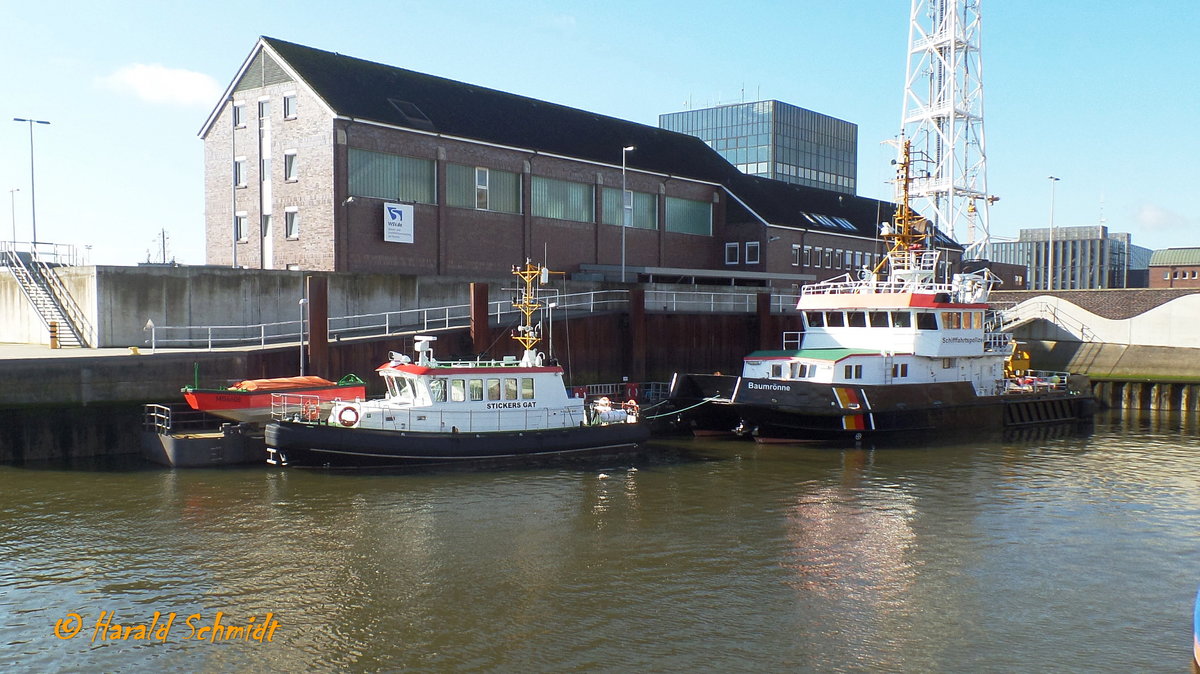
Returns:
<point x="12" y="198"/>
<point x="32" y="188"/>
<point x="626" y="207"/>
<point x="303" y="304"/>
<point x="1050" y="248"/>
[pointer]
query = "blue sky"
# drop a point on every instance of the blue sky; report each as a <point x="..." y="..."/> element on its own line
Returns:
<point x="1104" y="95"/>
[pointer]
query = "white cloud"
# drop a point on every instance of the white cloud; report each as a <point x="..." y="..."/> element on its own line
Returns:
<point x="158" y="84"/>
<point x="1154" y="218"/>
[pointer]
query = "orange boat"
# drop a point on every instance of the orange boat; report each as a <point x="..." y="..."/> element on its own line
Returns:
<point x="250" y="400"/>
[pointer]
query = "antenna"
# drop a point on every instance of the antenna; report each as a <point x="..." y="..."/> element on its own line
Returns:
<point x="943" y="116"/>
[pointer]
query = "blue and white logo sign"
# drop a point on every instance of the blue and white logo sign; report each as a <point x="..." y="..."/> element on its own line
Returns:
<point x="398" y="223"/>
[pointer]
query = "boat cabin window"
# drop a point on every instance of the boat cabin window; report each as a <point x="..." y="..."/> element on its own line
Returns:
<point x="856" y="319"/>
<point x="458" y="390"/>
<point x="901" y="319"/>
<point x="926" y="321"/>
<point x="952" y="320"/>
<point x="437" y="390"/>
<point x="402" y="389"/>
<point x="510" y="388"/>
<point x="835" y="319"/>
<point x="493" y="389"/>
<point x="777" y="370"/>
<point x="879" y="319"/>
<point x="527" y="388"/>
<point x="475" y="389"/>
<point x="816" y="319"/>
<point x="798" y="370"/>
<point x="853" y="372"/>
<point x="900" y="369"/>
<point x="977" y="320"/>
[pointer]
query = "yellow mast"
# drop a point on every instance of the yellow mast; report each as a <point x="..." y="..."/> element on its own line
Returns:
<point x="908" y="230"/>
<point x="527" y="302"/>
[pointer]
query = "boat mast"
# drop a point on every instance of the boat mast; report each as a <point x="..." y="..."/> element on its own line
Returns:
<point x="527" y="303"/>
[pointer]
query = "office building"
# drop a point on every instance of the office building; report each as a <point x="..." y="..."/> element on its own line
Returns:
<point x="1075" y="258"/>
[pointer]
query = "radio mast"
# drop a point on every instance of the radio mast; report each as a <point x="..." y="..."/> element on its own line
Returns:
<point x="943" y="119"/>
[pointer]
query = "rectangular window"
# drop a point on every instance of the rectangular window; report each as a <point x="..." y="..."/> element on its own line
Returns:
<point x="751" y="252"/>
<point x="776" y="370"/>
<point x="526" y="388"/>
<point x="815" y="319"/>
<point x="829" y="258"/>
<point x="437" y="390"/>
<point x="289" y="165"/>
<point x="879" y="319"/>
<point x="562" y="200"/>
<point x="835" y="319"/>
<point x="686" y="216"/>
<point x="388" y="176"/>
<point x="796" y="255"/>
<point x="510" y="388"/>
<point x="643" y="216"/>
<point x="849" y="259"/>
<point x="239" y="171"/>
<point x="289" y="106"/>
<point x="731" y="253"/>
<point x="837" y="258"/>
<point x="947" y="363"/>
<point x="475" y="389"/>
<point x="264" y="110"/>
<point x="291" y="223"/>
<point x="458" y="390"/>
<point x="950" y="319"/>
<point x="853" y="372"/>
<point x="502" y="188"/>
<point x="481" y="188"/>
<point x="242" y="225"/>
<point x="858" y="259"/>
<point x="856" y="319"/>
<point x="926" y="321"/>
<point x="901" y="319"/>
<point x="900" y="369"/>
<point x="493" y="389"/>
<point x="239" y="115"/>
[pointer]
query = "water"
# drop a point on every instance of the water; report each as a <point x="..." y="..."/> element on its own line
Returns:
<point x="1063" y="554"/>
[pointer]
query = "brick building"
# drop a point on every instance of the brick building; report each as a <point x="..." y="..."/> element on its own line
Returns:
<point x="1175" y="268"/>
<point x="318" y="161"/>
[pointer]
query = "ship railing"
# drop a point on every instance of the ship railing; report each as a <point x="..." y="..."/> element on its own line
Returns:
<point x="299" y="408"/>
<point x="1035" y="381"/>
<point x="178" y="418"/>
<point x="997" y="341"/>
<point x="849" y="286"/>
<point x="640" y="391"/>
<point x="304" y="407"/>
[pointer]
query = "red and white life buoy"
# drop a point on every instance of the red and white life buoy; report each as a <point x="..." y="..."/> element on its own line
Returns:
<point x="348" y="416"/>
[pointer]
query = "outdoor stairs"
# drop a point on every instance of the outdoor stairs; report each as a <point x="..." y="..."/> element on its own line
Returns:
<point x="47" y="295"/>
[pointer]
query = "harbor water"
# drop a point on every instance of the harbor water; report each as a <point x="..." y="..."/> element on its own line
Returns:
<point x="1047" y="553"/>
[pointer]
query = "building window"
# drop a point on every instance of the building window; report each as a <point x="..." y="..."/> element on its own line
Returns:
<point x="239" y="172"/>
<point x="829" y="258"/>
<point x="481" y="188"/>
<point x="291" y="223"/>
<point x="731" y="253"/>
<point x="837" y="258"/>
<point x="241" y="227"/>
<point x="388" y="176"/>
<point x="289" y="166"/>
<point x="562" y="200"/>
<point x="644" y="211"/>
<point x="751" y="252"/>
<point x="239" y="115"/>
<point x="502" y="189"/>
<point x="289" y="106"/>
<point x="796" y="255"/>
<point x="686" y="216"/>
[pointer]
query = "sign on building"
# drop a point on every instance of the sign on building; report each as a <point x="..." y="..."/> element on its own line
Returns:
<point x="398" y="223"/>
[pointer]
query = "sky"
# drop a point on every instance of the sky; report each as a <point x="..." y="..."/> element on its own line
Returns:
<point x="1103" y="95"/>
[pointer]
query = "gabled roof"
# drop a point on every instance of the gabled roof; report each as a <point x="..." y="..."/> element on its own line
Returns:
<point x="369" y="91"/>
<point x="1175" y="257"/>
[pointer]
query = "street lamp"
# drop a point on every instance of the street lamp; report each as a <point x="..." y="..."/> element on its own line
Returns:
<point x="12" y="197"/>
<point x="1050" y="249"/>
<point x="32" y="189"/>
<point x="303" y="304"/>
<point x="626" y="207"/>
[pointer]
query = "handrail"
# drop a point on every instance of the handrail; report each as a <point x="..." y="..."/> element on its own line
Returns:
<point x="403" y="321"/>
<point x="66" y="301"/>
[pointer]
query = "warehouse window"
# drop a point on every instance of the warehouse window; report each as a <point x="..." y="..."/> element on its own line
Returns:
<point x="686" y="216"/>
<point x="562" y="200"/>
<point x="388" y="176"/>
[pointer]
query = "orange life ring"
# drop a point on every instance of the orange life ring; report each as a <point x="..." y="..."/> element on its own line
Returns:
<point x="348" y="416"/>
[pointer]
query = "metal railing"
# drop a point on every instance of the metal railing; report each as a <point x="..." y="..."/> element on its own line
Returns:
<point x="178" y="418"/>
<point x="291" y="407"/>
<point x="404" y="321"/>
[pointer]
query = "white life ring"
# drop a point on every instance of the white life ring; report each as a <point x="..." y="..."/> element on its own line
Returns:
<point x="348" y="416"/>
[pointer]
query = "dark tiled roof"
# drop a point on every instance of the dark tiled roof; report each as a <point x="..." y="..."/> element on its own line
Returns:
<point x="382" y="93"/>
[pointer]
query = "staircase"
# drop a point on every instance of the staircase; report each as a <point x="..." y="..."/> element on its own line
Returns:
<point x="48" y="296"/>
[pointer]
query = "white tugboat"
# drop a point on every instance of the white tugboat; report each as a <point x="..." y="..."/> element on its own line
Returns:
<point x="455" y="411"/>
<point x="892" y="350"/>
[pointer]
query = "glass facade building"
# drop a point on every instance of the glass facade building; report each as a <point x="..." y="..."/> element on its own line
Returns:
<point x="1087" y="257"/>
<point x="777" y="140"/>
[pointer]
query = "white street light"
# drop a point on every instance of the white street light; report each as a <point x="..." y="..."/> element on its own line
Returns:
<point x="32" y="188"/>
<point x="12" y="197"/>
<point x="626" y="207"/>
<point x="1050" y="249"/>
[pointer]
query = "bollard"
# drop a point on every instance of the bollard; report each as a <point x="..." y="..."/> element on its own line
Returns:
<point x="54" y="335"/>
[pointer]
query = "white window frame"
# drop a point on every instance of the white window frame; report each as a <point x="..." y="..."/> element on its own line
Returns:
<point x="752" y="246"/>
<point x="733" y="248"/>
<point x="239" y="171"/>
<point x="290" y="167"/>
<point x="796" y="254"/>
<point x="243" y="226"/>
<point x="239" y="114"/>
<point x="482" y="196"/>
<point x="291" y="223"/>
<point x="290" y="102"/>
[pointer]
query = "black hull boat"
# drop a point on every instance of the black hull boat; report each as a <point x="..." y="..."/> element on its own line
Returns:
<point x="890" y="349"/>
<point x="301" y="444"/>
